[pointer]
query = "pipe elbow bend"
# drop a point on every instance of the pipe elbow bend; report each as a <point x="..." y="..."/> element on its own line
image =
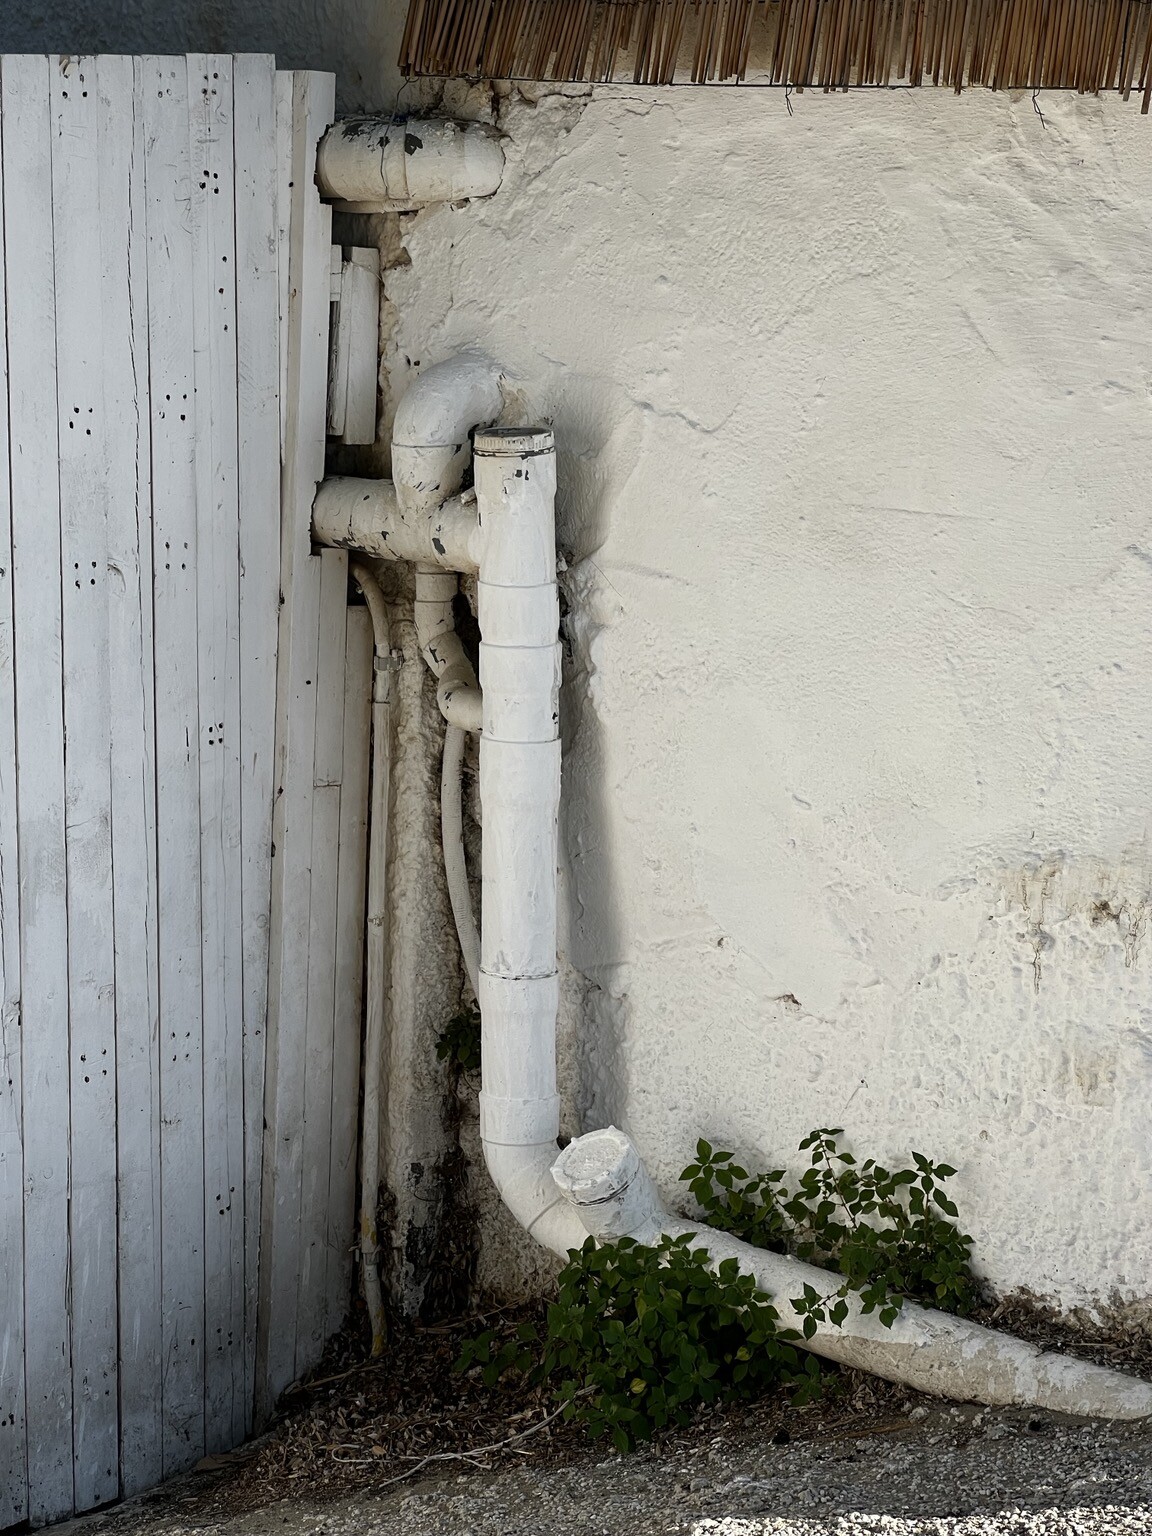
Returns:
<point x="430" y="436"/>
<point x="460" y="700"/>
<point x="447" y="401"/>
<point x="523" y="1177"/>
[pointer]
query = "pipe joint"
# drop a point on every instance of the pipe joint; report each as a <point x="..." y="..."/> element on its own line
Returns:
<point x="518" y="1122"/>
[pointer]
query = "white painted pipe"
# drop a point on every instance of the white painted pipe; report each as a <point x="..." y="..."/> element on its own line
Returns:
<point x="457" y="691"/>
<point x="374" y="164"/>
<point x="365" y="515"/>
<point x="603" y="1177"/>
<point x="599" y="1185"/>
<point x="376" y="982"/>
<point x="520" y="793"/>
<point x="455" y="866"/>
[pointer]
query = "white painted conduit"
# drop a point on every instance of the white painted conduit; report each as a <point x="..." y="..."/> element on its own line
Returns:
<point x="598" y="1185"/>
<point x="376" y="981"/>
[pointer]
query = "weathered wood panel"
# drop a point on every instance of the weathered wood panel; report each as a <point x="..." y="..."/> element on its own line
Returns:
<point x="89" y="152"/>
<point x="163" y="349"/>
<point x="175" y="422"/>
<point x="258" y="430"/>
<point x="304" y="111"/>
<point x="133" y="772"/>
<point x="13" y="1444"/>
<point x="26" y="107"/>
<point x="350" y="921"/>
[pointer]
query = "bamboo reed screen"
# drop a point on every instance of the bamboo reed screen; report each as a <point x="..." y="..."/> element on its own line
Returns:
<point x="1081" y="45"/>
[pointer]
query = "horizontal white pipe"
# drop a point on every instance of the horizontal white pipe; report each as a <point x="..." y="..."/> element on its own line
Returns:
<point x="604" y="1179"/>
<point x="365" y="515"/>
<point x="379" y="165"/>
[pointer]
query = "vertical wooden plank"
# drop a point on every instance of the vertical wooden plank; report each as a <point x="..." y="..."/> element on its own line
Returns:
<point x="287" y="206"/>
<point x="337" y="349"/>
<point x="305" y="334"/>
<point x="312" y="1258"/>
<point x="81" y="160"/>
<point x="174" y="420"/>
<point x="123" y="255"/>
<point x="360" y="302"/>
<point x="212" y="210"/>
<point x="40" y="785"/>
<point x="258" y="428"/>
<point x="13" y="1439"/>
<point x="353" y="843"/>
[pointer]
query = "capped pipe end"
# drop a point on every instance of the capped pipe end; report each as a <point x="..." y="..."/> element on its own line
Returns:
<point x="513" y="442"/>
<point x="602" y="1175"/>
<point x="597" y="1167"/>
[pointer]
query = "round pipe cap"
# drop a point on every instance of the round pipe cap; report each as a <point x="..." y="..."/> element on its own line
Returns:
<point x="597" y="1167"/>
<point x="513" y="442"/>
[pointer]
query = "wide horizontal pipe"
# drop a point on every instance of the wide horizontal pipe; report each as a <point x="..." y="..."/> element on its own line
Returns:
<point x="365" y="515"/>
<point x="378" y="164"/>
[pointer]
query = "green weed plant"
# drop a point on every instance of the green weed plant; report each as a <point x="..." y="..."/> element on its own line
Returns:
<point x="639" y="1337"/>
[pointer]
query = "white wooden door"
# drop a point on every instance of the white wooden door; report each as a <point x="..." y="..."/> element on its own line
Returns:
<point x="156" y="220"/>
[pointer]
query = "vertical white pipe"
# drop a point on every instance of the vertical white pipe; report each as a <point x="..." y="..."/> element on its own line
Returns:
<point x="376" y="983"/>
<point x="515" y="472"/>
<point x="452" y="837"/>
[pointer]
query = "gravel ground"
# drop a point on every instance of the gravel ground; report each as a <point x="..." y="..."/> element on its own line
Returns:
<point x="933" y="1469"/>
<point x="403" y="1446"/>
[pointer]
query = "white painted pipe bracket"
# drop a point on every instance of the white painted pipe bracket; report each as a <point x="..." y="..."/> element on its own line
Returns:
<point x="381" y="165"/>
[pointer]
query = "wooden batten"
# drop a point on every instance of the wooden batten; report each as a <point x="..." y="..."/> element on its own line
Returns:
<point x="1080" y="45"/>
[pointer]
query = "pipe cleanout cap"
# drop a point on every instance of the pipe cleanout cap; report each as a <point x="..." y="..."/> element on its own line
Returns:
<point x="598" y="1167"/>
<point x="601" y="1174"/>
<point x="513" y="442"/>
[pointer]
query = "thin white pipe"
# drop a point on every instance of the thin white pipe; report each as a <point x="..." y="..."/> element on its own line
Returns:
<point x="376" y="983"/>
<point x="455" y="866"/>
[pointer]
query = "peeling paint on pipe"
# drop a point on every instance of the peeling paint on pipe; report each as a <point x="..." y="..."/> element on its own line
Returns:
<point x="376" y="165"/>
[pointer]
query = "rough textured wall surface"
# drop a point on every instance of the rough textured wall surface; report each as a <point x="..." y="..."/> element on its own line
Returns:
<point x="855" y="412"/>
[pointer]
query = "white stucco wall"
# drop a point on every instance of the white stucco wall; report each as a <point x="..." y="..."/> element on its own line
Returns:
<point x="855" y="413"/>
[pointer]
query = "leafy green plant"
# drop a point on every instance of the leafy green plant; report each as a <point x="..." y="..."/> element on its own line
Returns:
<point x="460" y="1041"/>
<point x="891" y="1235"/>
<point x="638" y="1337"/>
